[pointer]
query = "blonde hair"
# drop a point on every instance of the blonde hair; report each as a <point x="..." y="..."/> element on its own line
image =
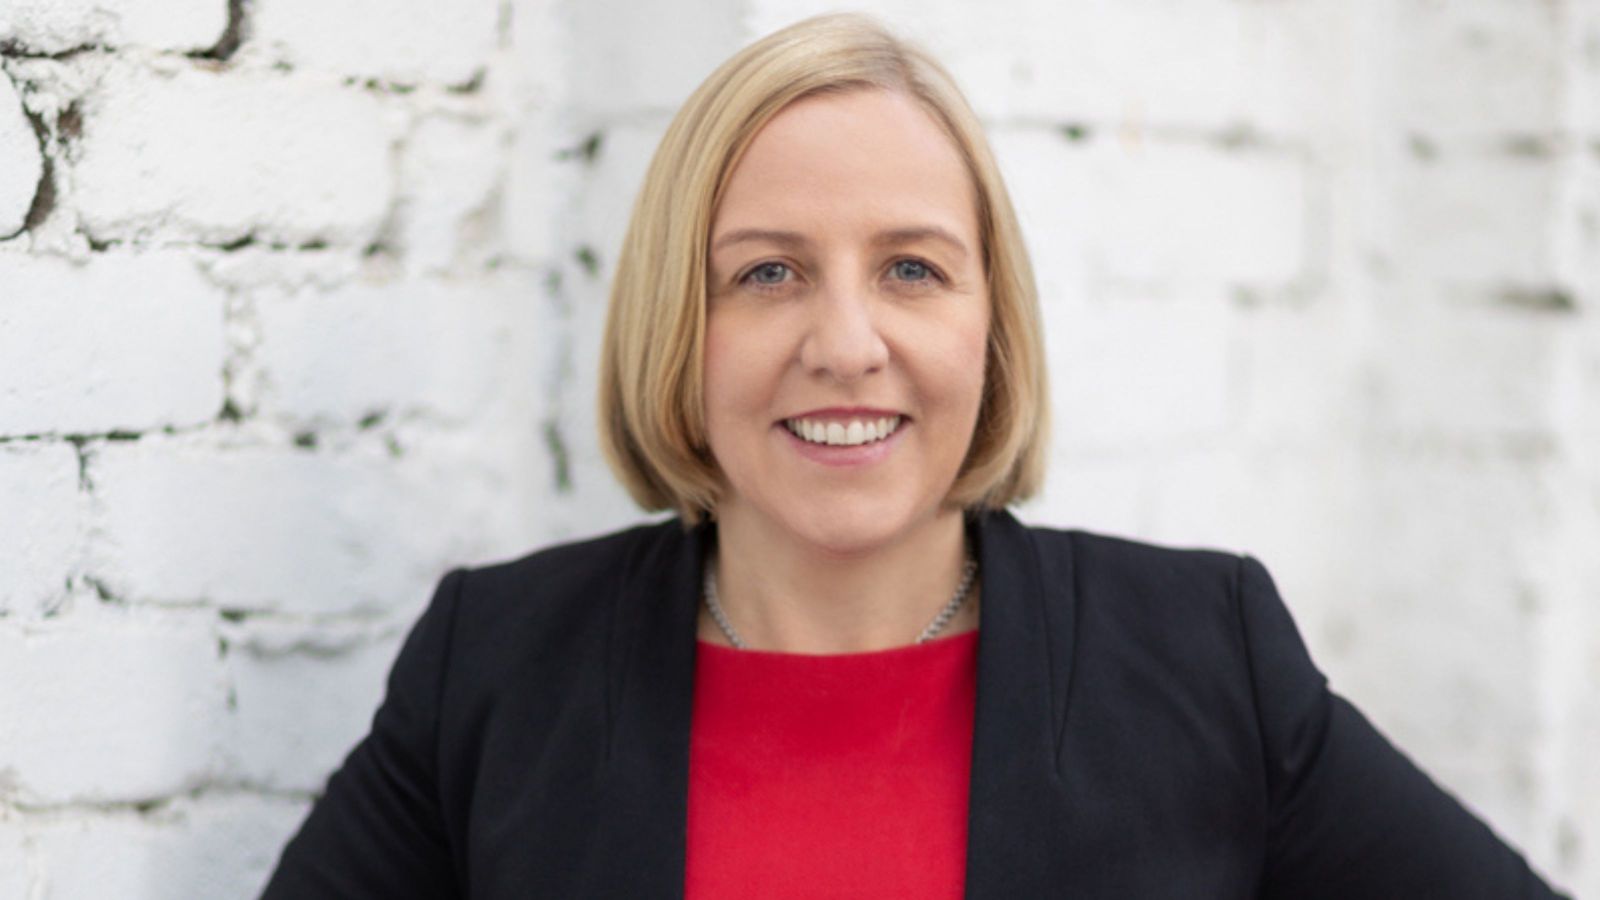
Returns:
<point x="651" y="406"/>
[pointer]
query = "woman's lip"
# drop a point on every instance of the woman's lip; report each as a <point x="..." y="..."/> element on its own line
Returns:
<point x="845" y="413"/>
<point x="841" y="456"/>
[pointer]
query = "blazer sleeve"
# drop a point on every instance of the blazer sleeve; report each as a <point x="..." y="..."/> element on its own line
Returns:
<point x="1349" y="815"/>
<point x="377" y="830"/>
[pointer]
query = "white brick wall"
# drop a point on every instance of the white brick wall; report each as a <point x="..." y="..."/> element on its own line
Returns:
<point x="112" y="342"/>
<point x="171" y="150"/>
<point x="222" y="844"/>
<point x="44" y="525"/>
<point x="1131" y="65"/>
<point x="280" y="742"/>
<point x="15" y="874"/>
<point x="406" y="42"/>
<point x="113" y="707"/>
<point x="1504" y="64"/>
<point x="186" y="521"/>
<point x="300" y="305"/>
<point x="20" y="161"/>
<point x="441" y="348"/>
<point x="58" y="26"/>
<point x="1165" y="368"/>
<point x="1156" y="217"/>
<point x="1467" y="218"/>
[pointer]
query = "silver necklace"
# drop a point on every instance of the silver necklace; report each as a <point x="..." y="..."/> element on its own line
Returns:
<point x="969" y="568"/>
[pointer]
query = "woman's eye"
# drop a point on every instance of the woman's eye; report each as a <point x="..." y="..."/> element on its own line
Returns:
<point x="912" y="270"/>
<point x="769" y="273"/>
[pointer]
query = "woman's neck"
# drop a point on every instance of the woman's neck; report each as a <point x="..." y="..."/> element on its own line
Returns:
<point x="787" y="595"/>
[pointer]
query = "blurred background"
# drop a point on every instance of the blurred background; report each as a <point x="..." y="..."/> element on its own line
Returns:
<point x="300" y="302"/>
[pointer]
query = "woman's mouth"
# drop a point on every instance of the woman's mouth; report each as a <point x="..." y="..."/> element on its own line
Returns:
<point x="843" y="433"/>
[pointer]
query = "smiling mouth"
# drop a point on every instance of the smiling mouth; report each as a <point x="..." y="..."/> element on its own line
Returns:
<point x="848" y="433"/>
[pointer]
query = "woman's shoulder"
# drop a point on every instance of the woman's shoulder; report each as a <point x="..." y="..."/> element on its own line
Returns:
<point x="571" y="563"/>
<point x="1156" y="628"/>
<point x="560" y="588"/>
<point x="1161" y="594"/>
<point x="1105" y="560"/>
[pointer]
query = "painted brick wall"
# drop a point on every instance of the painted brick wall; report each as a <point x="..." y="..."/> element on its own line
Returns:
<point x="300" y="301"/>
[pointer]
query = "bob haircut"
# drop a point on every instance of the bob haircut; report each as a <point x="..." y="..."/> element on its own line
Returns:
<point x="651" y="402"/>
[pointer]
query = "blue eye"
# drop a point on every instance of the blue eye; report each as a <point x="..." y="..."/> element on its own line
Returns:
<point x="912" y="270"/>
<point x="769" y="273"/>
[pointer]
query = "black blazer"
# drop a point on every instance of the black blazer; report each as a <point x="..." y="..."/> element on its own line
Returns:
<point x="1148" y="724"/>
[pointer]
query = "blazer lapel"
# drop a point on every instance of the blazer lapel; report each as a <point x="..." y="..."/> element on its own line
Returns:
<point x="1024" y="647"/>
<point x="640" y="846"/>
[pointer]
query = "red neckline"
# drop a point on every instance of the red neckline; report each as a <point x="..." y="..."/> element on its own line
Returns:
<point x="953" y="640"/>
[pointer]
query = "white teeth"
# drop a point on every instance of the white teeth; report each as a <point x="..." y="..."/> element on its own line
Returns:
<point x="840" y="434"/>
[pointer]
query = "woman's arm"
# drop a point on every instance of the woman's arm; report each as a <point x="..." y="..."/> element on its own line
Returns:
<point x="377" y="831"/>
<point x="1350" y="816"/>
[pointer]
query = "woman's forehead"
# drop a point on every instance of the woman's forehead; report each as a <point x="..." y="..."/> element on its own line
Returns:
<point x="876" y="158"/>
<point x="886" y="237"/>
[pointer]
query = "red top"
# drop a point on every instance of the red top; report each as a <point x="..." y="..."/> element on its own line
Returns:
<point x="841" y="775"/>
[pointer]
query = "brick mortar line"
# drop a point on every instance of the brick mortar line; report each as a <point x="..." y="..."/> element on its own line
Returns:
<point x="150" y="808"/>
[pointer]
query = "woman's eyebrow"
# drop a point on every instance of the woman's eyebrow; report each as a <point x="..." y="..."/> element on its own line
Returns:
<point x="794" y="239"/>
<point x="919" y="233"/>
<point x="742" y="235"/>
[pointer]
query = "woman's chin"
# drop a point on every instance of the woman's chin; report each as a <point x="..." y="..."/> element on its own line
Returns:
<point x="850" y="529"/>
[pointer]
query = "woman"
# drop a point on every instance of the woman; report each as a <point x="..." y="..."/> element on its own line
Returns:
<point x="823" y="353"/>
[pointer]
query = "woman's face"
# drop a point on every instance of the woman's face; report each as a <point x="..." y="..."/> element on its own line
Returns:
<point x="847" y="297"/>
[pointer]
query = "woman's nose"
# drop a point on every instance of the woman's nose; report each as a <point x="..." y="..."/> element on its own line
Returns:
<point x="844" y="340"/>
